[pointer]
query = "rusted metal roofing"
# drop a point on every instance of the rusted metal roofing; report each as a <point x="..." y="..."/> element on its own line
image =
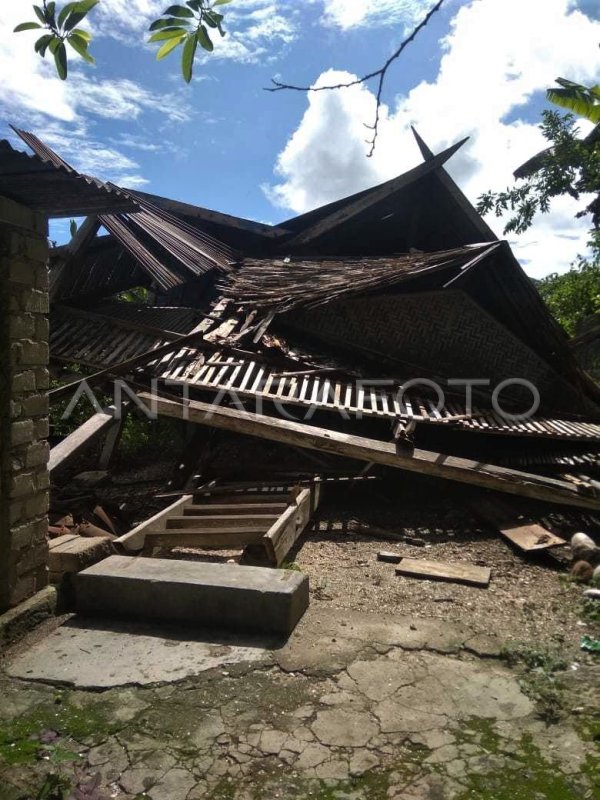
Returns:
<point x="107" y="269"/>
<point x="52" y="187"/>
<point x="169" y="250"/>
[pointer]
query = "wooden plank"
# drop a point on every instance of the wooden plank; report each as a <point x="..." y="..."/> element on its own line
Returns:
<point x="233" y="508"/>
<point x="80" y="438"/>
<point x="438" y="465"/>
<point x="134" y="540"/>
<point x="280" y="539"/>
<point x="258" y="522"/>
<point x="527" y="536"/>
<point x="255" y="499"/>
<point x="223" y="540"/>
<point x="468" y="574"/>
<point x="389" y="558"/>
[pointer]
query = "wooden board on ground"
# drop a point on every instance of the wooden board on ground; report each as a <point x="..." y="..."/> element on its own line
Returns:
<point x="527" y="536"/>
<point x="439" y="571"/>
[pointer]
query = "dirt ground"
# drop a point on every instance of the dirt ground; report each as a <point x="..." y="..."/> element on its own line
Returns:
<point x="531" y="598"/>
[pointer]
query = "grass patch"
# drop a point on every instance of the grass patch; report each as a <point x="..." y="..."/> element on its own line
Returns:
<point x="540" y="671"/>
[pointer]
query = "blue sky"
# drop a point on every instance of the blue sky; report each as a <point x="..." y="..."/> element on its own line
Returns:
<point x="225" y="143"/>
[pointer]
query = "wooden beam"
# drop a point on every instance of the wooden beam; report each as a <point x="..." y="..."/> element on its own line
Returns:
<point x="81" y="437"/>
<point x="437" y="465"/>
<point x="284" y="534"/>
<point x="487" y="234"/>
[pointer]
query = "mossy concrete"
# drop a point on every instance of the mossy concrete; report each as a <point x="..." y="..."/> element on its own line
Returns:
<point x="365" y="708"/>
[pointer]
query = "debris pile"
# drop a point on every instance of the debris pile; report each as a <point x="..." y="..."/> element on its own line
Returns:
<point x="389" y="330"/>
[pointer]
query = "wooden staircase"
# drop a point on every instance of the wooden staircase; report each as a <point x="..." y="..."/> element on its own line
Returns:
<point x="264" y="521"/>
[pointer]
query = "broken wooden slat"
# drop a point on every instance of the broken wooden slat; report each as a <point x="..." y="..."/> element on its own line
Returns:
<point x="438" y="465"/>
<point x="454" y="573"/>
<point x="527" y="536"/>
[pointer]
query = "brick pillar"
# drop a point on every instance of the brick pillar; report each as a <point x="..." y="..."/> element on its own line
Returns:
<point x="24" y="478"/>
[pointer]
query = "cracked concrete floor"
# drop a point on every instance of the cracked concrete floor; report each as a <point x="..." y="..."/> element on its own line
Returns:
<point x="363" y="707"/>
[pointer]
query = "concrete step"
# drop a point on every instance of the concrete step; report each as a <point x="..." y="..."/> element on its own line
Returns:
<point x="235" y="508"/>
<point x="256" y="522"/>
<point x="223" y="596"/>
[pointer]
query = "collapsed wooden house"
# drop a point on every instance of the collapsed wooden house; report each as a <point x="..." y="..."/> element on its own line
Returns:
<point x="386" y="327"/>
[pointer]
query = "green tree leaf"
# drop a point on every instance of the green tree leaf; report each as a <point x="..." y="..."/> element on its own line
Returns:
<point x="74" y="19"/>
<point x="42" y="44"/>
<point x="179" y="11"/>
<point x="80" y="46"/>
<point x="168" y="33"/>
<point x="221" y="2"/>
<point x="40" y="14"/>
<point x="72" y="228"/>
<point x="164" y="23"/>
<point x="27" y="26"/>
<point x="581" y="100"/>
<point x="204" y="39"/>
<point x="169" y="45"/>
<point x="64" y="13"/>
<point x="60" y="59"/>
<point x="187" y="58"/>
<point x="213" y="19"/>
<point x="85" y="35"/>
<point x="85" y="6"/>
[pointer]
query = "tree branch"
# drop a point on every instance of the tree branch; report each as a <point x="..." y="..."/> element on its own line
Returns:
<point x="380" y="74"/>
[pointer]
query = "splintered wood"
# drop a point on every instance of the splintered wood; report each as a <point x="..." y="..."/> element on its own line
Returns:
<point x="454" y="573"/>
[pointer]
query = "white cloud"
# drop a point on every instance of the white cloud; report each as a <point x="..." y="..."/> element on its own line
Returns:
<point x="490" y="69"/>
<point x="346" y="15"/>
<point x="126" y="18"/>
<point x="256" y="29"/>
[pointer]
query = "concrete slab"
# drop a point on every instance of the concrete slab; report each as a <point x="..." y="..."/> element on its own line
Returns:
<point x="226" y="596"/>
<point x="97" y="654"/>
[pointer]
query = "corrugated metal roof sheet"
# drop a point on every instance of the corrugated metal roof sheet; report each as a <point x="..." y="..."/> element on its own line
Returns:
<point x="52" y="186"/>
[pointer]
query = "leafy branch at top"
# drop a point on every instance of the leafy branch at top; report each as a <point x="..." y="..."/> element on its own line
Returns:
<point x="188" y="26"/>
<point x="581" y="100"/>
<point x="60" y="29"/>
<point x="379" y="74"/>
